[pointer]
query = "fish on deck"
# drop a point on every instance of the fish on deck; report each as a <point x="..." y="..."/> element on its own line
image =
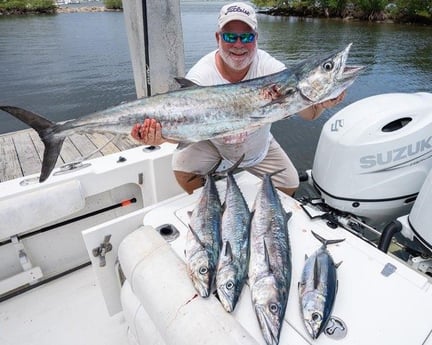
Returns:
<point x="318" y="287"/>
<point x="270" y="264"/>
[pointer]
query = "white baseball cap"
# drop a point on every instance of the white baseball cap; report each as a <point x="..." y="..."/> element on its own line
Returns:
<point x="238" y="11"/>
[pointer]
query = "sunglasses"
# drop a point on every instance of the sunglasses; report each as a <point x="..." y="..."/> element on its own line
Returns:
<point x="231" y="37"/>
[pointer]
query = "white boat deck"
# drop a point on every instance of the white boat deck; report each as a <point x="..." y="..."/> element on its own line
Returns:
<point x="380" y="299"/>
<point x="66" y="311"/>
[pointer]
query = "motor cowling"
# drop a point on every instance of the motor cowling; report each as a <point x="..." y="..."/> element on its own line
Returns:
<point x="374" y="155"/>
<point x="420" y="216"/>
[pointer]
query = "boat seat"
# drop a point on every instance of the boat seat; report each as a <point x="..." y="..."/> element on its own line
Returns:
<point x="39" y="207"/>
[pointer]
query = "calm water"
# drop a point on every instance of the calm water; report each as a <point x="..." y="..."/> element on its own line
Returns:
<point x="68" y="65"/>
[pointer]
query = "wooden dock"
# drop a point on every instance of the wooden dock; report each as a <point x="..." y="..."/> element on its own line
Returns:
<point x="21" y="152"/>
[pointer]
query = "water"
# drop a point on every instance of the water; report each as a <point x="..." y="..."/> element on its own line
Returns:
<point x="68" y="65"/>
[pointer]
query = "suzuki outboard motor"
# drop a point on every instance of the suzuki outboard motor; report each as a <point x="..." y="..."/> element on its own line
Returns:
<point x="419" y="220"/>
<point x="417" y="228"/>
<point x="374" y="155"/>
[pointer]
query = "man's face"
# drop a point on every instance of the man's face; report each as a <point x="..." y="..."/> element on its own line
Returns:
<point x="237" y="55"/>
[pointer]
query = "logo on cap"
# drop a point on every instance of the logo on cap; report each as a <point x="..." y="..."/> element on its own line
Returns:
<point x="237" y="9"/>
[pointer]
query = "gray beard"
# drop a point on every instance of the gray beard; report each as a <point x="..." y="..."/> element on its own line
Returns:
<point x="235" y="65"/>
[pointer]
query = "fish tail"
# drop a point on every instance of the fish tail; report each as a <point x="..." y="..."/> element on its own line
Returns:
<point x="276" y="172"/>
<point x="324" y="241"/>
<point x="43" y="127"/>
<point x="231" y="169"/>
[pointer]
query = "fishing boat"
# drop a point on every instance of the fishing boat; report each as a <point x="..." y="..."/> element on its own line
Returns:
<point x="95" y="254"/>
<point x="126" y="215"/>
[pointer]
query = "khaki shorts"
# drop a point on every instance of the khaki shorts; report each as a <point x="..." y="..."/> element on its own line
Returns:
<point x="201" y="157"/>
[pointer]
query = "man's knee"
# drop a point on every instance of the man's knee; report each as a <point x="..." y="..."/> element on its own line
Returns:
<point x="187" y="181"/>
<point x="288" y="191"/>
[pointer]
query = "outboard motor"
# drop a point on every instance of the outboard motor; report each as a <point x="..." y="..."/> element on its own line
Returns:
<point x="417" y="228"/>
<point x="419" y="224"/>
<point x="374" y="155"/>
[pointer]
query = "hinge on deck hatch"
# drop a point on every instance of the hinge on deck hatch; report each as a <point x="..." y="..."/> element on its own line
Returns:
<point x="101" y="251"/>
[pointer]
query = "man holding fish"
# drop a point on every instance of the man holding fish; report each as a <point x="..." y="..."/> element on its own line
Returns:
<point x="236" y="59"/>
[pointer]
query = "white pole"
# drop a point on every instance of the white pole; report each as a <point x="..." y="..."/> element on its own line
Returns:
<point x="156" y="44"/>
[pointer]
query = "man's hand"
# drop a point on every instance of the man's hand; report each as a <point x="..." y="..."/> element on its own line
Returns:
<point x="148" y="133"/>
<point x="332" y="102"/>
<point x="315" y="111"/>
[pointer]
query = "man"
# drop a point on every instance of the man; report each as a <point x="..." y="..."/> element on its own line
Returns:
<point x="237" y="58"/>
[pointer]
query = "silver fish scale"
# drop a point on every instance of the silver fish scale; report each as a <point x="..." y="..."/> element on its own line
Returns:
<point x="270" y="261"/>
<point x="232" y="267"/>
<point x="202" y="248"/>
<point x="317" y="290"/>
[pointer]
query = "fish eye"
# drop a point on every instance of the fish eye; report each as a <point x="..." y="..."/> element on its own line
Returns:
<point x="203" y="270"/>
<point x="229" y="285"/>
<point x="273" y="307"/>
<point x="316" y="317"/>
<point x="328" y="66"/>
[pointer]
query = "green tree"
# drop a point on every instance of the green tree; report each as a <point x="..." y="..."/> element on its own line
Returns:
<point x="113" y="4"/>
<point x="27" y="5"/>
<point x="372" y="8"/>
<point x="414" y="7"/>
<point x="335" y="7"/>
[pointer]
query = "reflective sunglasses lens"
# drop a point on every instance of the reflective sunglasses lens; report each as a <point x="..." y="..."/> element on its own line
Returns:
<point x="231" y="37"/>
<point x="247" y="37"/>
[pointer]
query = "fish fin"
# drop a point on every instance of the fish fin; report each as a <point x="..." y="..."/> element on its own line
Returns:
<point x="195" y="235"/>
<point x="44" y="128"/>
<point x="214" y="168"/>
<point x="267" y="257"/>
<point x="189" y="213"/>
<point x="288" y="216"/>
<point x="324" y="241"/>
<point x="209" y="173"/>
<point x="317" y="273"/>
<point x="52" y="150"/>
<point x="338" y="264"/>
<point x="227" y="251"/>
<point x="276" y="172"/>
<point x="185" y="83"/>
<point x="231" y="169"/>
<point x="182" y="145"/>
<point x="306" y="257"/>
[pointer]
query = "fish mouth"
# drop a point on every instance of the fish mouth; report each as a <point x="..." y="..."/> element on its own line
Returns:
<point x="312" y="332"/>
<point x="226" y="301"/>
<point x="202" y="287"/>
<point x="350" y="72"/>
<point x="270" y="331"/>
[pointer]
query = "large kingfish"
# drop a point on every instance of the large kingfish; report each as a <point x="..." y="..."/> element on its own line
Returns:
<point x="317" y="288"/>
<point x="203" y="238"/>
<point x="234" y="257"/>
<point x="199" y="113"/>
<point x="270" y="261"/>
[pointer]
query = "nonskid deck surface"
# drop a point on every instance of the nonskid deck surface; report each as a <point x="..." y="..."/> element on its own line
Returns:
<point x="66" y="311"/>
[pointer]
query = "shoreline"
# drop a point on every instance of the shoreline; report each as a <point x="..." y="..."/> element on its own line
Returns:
<point x="62" y="9"/>
<point x="380" y="18"/>
<point x="348" y="16"/>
